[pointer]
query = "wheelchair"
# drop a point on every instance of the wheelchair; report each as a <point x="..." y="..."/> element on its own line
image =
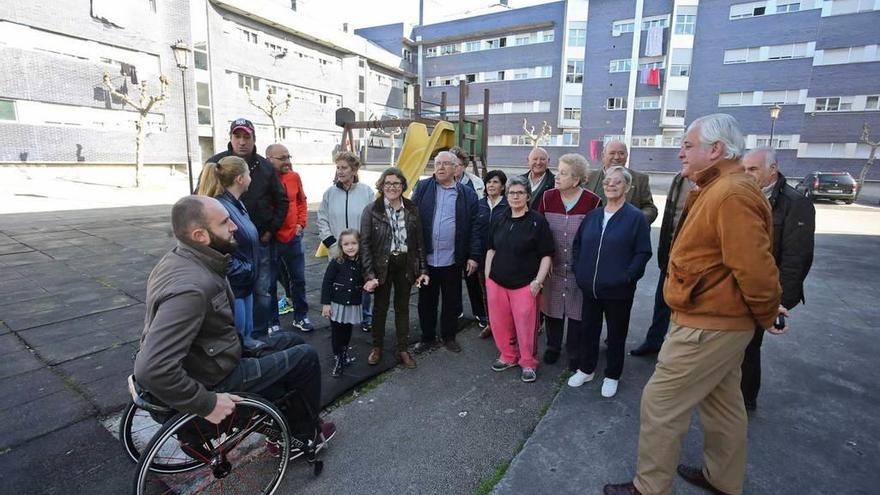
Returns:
<point x="247" y="452"/>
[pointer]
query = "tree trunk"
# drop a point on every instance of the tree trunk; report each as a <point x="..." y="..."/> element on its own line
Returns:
<point x="864" y="173"/>
<point x="275" y="127"/>
<point x="139" y="152"/>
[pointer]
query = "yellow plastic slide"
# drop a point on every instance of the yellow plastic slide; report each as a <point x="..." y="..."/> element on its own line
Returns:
<point x="418" y="146"/>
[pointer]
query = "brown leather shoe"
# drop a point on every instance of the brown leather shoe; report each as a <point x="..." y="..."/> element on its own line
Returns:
<point x="621" y="489"/>
<point x="407" y="360"/>
<point x="375" y="356"/>
<point x="452" y="346"/>
<point x="486" y="333"/>
<point x="694" y="476"/>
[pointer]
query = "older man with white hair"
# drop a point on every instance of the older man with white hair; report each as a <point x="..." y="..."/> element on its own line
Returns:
<point x="722" y="282"/>
<point x="794" y="225"/>
<point x="452" y="233"/>
<point x="639" y="195"/>
<point x="539" y="175"/>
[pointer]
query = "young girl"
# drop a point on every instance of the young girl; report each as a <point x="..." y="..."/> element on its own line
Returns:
<point x="341" y="296"/>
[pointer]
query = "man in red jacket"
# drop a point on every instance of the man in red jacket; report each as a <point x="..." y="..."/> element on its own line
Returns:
<point x="290" y="256"/>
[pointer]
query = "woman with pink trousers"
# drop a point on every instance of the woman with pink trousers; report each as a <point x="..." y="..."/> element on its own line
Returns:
<point x="518" y="257"/>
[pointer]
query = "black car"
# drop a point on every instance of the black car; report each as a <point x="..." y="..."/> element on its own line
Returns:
<point x="829" y="185"/>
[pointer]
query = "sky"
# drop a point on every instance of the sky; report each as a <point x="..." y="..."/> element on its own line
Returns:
<point x="364" y="13"/>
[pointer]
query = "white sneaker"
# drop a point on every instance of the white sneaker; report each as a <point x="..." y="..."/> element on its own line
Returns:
<point x="609" y="387"/>
<point x="579" y="378"/>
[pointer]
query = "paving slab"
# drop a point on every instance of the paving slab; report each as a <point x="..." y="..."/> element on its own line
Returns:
<point x="77" y="337"/>
<point x="15" y="358"/>
<point x="35" y="404"/>
<point x="80" y="458"/>
<point x="101" y="376"/>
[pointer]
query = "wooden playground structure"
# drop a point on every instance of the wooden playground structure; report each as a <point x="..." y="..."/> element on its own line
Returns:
<point x="434" y="127"/>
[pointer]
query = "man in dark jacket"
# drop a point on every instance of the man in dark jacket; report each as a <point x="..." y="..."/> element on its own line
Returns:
<point x="190" y="352"/>
<point x="539" y="176"/>
<point x="794" y="225"/>
<point x="266" y="203"/>
<point x="453" y="243"/>
<point x="675" y="201"/>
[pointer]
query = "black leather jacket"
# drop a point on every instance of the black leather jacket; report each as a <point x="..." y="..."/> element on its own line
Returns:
<point x="376" y="241"/>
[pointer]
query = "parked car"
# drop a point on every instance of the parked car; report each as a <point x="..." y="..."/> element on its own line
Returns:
<point x="829" y="185"/>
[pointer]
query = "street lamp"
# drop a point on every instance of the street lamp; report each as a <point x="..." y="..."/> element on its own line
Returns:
<point x="774" y="114"/>
<point x="181" y="54"/>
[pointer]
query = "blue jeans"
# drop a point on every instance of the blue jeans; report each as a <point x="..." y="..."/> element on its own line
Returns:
<point x="662" y="313"/>
<point x="265" y="308"/>
<point x="289" y="256"/>
<point x="244" y="315"/>
<point x="294" y="366"/>
<point x="367" y="308"/>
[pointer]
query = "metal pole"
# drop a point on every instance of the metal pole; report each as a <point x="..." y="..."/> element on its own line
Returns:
<point x="772" y="126"/>
<point x="189" y="161"/>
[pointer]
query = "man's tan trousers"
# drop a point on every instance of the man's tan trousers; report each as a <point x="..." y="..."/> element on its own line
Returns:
<point x="696" y="367"/>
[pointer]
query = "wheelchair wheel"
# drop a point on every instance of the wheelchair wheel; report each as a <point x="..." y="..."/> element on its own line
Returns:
<point x="246" y="453"/>
<point x="136" y="428"/>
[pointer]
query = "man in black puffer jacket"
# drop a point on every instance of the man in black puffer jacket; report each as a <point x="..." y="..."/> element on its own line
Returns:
<point x="794" y="225"/>
<point x="266" y="203"/>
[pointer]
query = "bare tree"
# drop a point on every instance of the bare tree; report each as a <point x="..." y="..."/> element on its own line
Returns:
<point x="536" y="138"/>
<point x="143" y="107"/>
<point x="273" y="109"/>
<point x="866" y="138"/>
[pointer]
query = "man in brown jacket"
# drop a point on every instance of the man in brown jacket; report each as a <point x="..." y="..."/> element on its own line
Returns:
<point x="190" y="355"/>
<point x="722" y="281"/>
<point x="616" y="154"/>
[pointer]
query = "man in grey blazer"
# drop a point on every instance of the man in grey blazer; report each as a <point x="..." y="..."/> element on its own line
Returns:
<point x="615" y="154"/>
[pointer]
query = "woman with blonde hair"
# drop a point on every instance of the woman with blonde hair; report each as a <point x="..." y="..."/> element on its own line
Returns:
<point x="227" y="180"/>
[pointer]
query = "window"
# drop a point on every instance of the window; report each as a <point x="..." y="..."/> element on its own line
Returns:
<point x="431" y="52"/>
<point x="841" y="7"/>
<point x="620" y="65"/>
<point x="662" y="22"/>
<point x="545" y="71"/>
<point x="407" y="55"/>
<point x="779" y="142"/>
<point x="449" y="49"/>
<point x="429" y="83"/>
<point x="680" y="70"/>
<point x="652" y="65"/>
<point x="200" y="59"/>
<point x="203" y="100"/>
<point x="618" y="103"/>
<point x="275" y="49"/>
<point x="733" y="99"/>
<point x="832" y="105"/>
<point x="783" y="97"/>
<point x="521" y="74"/>
<point x="470" y="78"/>
<point x="571" y="114"/>
<point x="548" y="35"/>
<point x="472" y="46"/>
<point x="7" y="110"/>
<point x="248" y="36"/>
<point x="745" y="10"/>
<point x="780" y="52"/>
<point x="675" y="113"/>
<point x="577" y="33"/>
<point x="571" y="138"/>
<point x="152" y="4"/>
<point x="644" y="141"/>
<point x="249" y="82"/>
<point x="293" y="5"/>
<point x="871" y="102"/>
<point x="574" y="71"/>
<point x="685" y="24"/>
<point x="620" y="27"/>
<point x="648" y="103"/>
<point x="788" y="7"/>
<point x="522" y="39"/>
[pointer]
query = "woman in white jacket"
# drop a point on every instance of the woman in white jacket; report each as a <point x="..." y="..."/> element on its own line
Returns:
<point x="341" y="209"/>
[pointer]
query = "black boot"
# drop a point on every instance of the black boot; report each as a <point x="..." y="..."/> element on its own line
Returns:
<point x="338" y="365"/>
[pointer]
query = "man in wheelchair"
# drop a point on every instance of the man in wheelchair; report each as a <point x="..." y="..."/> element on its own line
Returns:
<point x="191" y="355"/>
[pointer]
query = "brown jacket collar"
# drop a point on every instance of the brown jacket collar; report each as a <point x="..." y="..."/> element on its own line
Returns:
<point x="213" y="259"/>
<point x="707" y="176"/>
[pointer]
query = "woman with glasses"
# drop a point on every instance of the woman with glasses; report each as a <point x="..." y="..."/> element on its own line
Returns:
<point x="518" y="259"/>
<point x="611" y="249"/>
<point x="565" y="207"/>
<point x="393" y="257"/>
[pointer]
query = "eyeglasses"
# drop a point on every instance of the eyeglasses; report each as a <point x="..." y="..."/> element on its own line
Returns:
<point x="285" y="158"/>
<point x="516" y="193"/>
<point x="393" y="184"/>
<point x="444" y="164"/>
